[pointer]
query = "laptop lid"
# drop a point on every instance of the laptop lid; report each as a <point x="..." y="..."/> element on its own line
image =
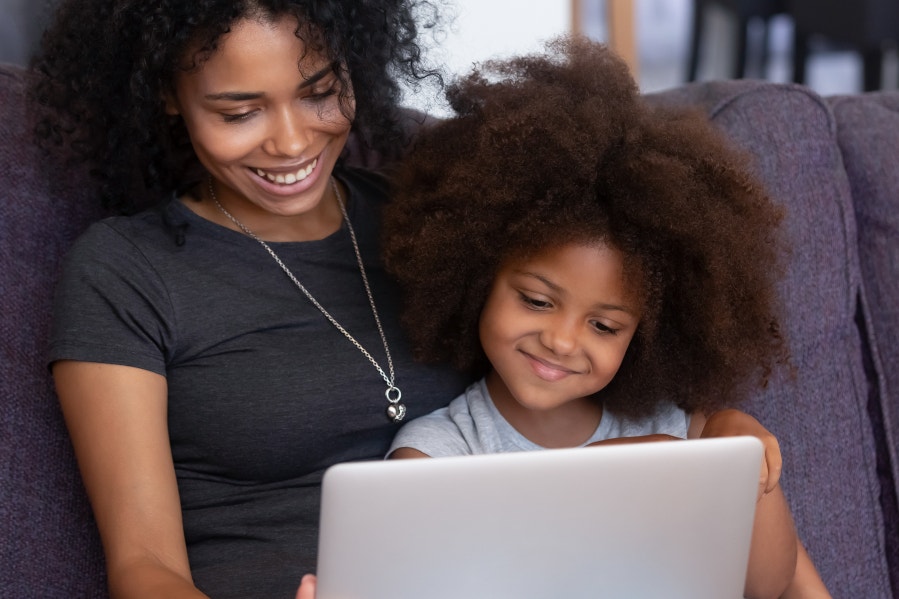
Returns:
<point x="649" y="520"/>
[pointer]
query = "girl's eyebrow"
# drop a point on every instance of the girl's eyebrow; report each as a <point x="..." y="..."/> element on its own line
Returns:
<point x="540" y="278"/>
<point x="245" y="96"/>
<point x="557" y="289"/>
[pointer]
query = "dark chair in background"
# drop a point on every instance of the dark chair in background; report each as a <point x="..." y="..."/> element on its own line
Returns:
<point x="866" y="26"/>
<point x="745" y="11"/>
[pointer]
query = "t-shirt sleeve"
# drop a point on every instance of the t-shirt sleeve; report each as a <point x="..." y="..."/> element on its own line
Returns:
<point x="110" y="305"/>
<point x="435" y="434"/>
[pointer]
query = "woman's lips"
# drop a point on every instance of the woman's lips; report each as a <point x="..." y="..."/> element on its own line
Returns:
<point x="288" y="178"/>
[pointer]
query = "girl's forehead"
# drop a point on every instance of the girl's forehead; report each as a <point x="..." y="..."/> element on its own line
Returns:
<point x="565" y="250"/>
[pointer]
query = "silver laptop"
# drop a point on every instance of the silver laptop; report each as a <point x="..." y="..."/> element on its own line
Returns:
<point x="639" y="521"/>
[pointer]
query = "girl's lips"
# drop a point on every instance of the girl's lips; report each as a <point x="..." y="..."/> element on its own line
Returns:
<point x="547" y="371"/>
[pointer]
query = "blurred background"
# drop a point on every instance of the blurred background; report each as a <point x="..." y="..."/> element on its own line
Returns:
<point x="833" y="46"/>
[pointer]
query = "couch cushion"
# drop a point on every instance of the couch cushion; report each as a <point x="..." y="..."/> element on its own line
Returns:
<point x="868" y="134"/>
<point x="820" y="415"/>
<point x="50" y="546"/>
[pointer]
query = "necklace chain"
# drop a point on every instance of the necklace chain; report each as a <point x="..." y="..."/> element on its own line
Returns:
<point x="396" y="411"/>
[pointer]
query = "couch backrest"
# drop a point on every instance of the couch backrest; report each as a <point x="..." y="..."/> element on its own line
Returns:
<point x="821" y="416"/>
<point x="868" y="134"/>
<point x="50" y="545"/>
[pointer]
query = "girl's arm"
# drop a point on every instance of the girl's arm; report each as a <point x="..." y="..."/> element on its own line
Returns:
<point x="733" y="423"/>
<point x="402" y="453"/>
<point x="773" y="552"/>
<point x="806" y="583"/>
<point x="116" y="416"/>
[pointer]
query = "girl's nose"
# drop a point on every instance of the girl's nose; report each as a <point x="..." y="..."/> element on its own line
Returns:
<point x="288" y="135"/>
<point x="560" y="336"/>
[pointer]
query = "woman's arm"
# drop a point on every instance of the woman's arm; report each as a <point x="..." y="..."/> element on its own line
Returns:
<point x="772" y="555"/>
<point x="116" y="416"/>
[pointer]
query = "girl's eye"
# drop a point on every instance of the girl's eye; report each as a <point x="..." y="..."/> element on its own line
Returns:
<point x="534" y="303"/>
<point x="601" y="328"/>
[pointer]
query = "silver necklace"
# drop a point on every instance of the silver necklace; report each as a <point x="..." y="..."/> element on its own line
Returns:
<point x="396" y="411"/>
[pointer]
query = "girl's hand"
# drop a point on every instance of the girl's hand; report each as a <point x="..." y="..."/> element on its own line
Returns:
<point x="640" y="439"/>
<point x="307" y="587"/>
<point x="733" y="423"/>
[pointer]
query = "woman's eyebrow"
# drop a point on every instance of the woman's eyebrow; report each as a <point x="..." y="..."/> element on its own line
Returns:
<point x="245" y="96"/>
<point x="319" y="74"/>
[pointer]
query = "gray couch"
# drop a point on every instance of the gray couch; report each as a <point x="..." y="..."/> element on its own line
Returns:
<point x="834" y="163"/>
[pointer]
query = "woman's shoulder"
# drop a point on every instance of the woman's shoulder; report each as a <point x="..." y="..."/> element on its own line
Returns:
<point x="365" y="183"/>
<point x="133" y="242"/>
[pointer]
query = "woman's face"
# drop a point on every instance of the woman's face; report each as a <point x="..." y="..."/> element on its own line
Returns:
<point x="264" y="119"/>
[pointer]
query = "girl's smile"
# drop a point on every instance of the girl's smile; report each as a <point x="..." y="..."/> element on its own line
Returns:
<point x="555" y="337"/>
<point x="547" y="369"/>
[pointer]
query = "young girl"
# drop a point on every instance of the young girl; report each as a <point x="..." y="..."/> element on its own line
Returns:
<point x="608" y="269"/>
<point x="215" y="353"/>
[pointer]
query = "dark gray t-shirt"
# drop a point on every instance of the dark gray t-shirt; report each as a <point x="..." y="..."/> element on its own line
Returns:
<point x="264" y="393"/>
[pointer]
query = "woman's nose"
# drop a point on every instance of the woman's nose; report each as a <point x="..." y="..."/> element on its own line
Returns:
<point x="288" y="135"/>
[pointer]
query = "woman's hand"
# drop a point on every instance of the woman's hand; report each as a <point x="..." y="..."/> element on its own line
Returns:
<point x="307" y="587"/>
<point x="733" y="423"/>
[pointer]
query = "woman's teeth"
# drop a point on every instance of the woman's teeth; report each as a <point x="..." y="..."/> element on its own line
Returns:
<point x="289" y="178"/>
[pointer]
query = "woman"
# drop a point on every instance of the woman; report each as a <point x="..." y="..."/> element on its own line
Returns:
<point x="216" y="351"/>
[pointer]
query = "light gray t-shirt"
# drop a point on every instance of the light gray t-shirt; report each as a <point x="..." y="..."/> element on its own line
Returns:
<point x="471" y="424"/>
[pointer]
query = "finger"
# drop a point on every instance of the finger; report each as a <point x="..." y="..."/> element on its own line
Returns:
<point x="307" y="587"/>
<point x="774" y="461"/>
<point x="763" y="481"/>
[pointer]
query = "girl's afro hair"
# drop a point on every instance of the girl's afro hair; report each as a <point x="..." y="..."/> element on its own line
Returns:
<point x="560" y="147"/>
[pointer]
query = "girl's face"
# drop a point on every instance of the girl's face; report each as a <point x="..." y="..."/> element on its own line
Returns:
<point x="556" y="326"/>
<point x="268" y="132"/>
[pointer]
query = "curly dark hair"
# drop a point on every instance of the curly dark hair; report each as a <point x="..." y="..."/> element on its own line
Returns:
<point x="107" y="64"/>
<point x="560" y="148"/>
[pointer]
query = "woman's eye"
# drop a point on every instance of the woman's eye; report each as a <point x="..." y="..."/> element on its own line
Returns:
<point x="236" y="118"/>
<point x="324" y="91"/>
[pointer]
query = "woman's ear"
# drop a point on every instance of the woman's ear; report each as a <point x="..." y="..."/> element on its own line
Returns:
<point x="172" y="108"/>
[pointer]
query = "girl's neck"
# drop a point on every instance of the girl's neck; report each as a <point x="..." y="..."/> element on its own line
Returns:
<point x="568" y="425"/>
